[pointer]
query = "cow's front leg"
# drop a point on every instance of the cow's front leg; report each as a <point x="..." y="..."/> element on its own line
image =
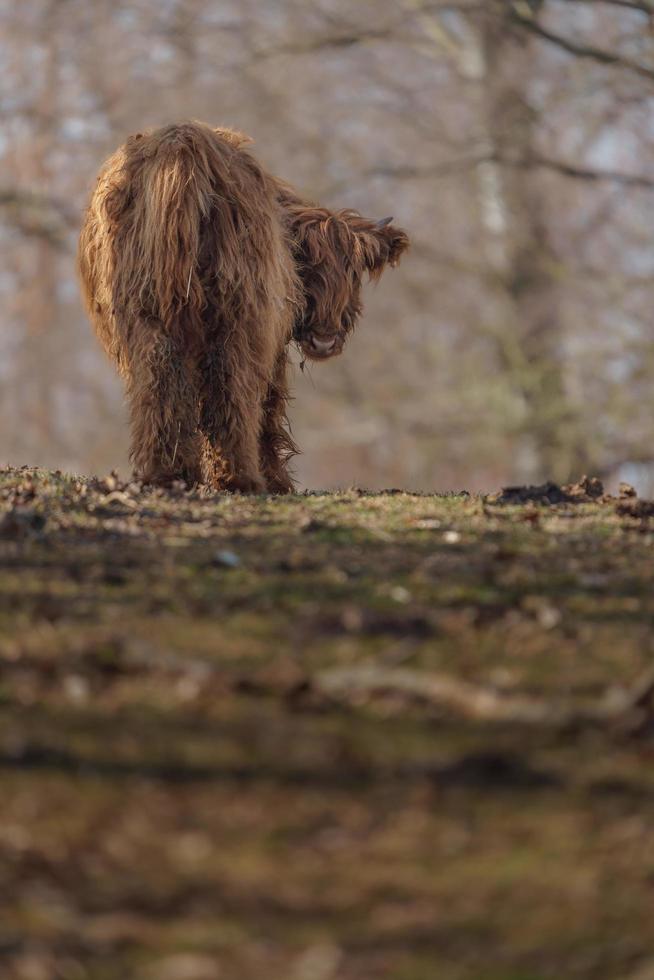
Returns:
<point x="276" y="444"/>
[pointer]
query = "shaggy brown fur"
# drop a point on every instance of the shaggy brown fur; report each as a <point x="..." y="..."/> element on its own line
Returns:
<point x="198" y="268"/>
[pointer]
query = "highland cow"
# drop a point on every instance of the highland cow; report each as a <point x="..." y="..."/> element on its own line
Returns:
<point x="198" y="269"/>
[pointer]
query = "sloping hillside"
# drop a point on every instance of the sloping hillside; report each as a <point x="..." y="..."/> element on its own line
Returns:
<point x="324" y="737"/>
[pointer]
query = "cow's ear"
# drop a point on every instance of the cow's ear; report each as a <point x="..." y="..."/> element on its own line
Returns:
<point x="382" y="244"/>
<point x="395" y="239"/>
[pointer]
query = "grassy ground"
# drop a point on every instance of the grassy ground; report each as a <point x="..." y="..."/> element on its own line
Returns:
<point x="325" y="737"/>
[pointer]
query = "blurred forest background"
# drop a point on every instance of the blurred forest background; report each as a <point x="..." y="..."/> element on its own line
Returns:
<point x="512" y="138"/>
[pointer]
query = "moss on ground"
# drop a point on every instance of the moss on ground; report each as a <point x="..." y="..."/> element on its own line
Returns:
<point x="186" y="795"/>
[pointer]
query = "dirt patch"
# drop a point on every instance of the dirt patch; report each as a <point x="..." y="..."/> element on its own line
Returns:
<point x="587" y="490"/>
<point x="632" y="507"/>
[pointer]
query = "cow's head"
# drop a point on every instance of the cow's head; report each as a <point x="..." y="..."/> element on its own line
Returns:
<point x="335" y="253"/>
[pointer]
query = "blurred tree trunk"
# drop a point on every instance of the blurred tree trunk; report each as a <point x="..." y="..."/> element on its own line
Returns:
<point x="532" y="341"/>
<point x="37" y="376"/>
<point x="495" y="58"/>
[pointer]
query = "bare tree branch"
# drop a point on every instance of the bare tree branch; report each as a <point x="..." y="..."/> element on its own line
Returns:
<point x="586" y="173"/>
<point x="454" y="167"/>
<point x="470" y="6"/>
<point x="347" y="39"/>
<point x="579" y="49"/>
<point x="447" y="168"/>
<point x="639" y="6"/>
<point x="37" y="215"/>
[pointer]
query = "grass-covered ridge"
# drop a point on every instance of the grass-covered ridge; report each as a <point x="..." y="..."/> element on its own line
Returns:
<point x="324" y="737"/>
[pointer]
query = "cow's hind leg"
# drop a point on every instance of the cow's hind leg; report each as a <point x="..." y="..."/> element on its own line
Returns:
<point x="230" y="420"/>
<point x="163" y="405"/>
<point x="276" y="444"/>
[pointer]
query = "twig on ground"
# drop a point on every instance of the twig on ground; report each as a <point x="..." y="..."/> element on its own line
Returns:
<point x="482" y="703"/>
